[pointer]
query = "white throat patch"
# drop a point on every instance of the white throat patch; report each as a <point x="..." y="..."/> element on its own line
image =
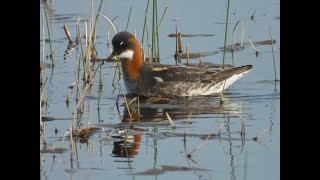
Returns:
<point x="127" y="54"/>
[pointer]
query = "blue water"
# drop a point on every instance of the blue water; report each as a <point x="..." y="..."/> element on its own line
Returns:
<point x="255" y="98"/>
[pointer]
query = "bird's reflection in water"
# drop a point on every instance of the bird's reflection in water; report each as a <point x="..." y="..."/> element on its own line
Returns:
<point x="178" y="108"/>
<point x="129" y="148"/>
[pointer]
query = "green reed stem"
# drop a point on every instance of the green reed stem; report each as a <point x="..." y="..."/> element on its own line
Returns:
<point x="95" y="24"/>
<point x="274" y="63"/>
<point x="225" y="35"/>
<point x="45" y="13"/>
<point x="129" y="18"/>
<point x="79" y="63"/>
<point x="145" y="22"/>
<point x="153" y="31"/>
<point x="115" y="71"/>
<point x="156" y="29"/>
<point x="100" y="87"/>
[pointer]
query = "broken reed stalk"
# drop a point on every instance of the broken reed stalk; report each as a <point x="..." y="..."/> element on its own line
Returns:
<point x="66" y="30"/>
<point x="128" y="18"/>
<point x="171" y="121"/>
<point x="274" y="63"/>
<point x="225" y="35"/>
<point x="52" y="59"/>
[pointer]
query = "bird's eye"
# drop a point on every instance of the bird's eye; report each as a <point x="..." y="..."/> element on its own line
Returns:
<point x="122" y="43"/>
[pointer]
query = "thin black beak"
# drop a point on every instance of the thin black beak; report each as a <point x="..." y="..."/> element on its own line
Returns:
<point x="110" y="58"/>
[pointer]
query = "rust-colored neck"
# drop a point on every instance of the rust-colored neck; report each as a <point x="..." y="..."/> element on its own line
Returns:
<point x="132" y="67"/>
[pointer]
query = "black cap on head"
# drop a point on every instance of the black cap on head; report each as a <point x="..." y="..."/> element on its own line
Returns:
<point x="120" y="44"/>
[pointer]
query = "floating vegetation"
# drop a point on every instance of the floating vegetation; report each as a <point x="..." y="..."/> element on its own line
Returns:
<point x="163" y="169"/>
<point x="190" y="35"/>
<point x="196" y="55"/>
<point x="237" y="46"/>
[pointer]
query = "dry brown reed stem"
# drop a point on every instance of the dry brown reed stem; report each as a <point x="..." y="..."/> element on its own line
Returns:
<point x="88" y="52"/>
<point x="71" y="143"/>
<point x="128" y="127"/>
<point x="68" y="95"/>
<point x="66" y="30"/>
<point x="43" y="45"/>
<point x="221" y="94"/>
<point x="81" y="97"/>
<point x="41" y="99"/>
<point x="252" y="16"/>
<point x="187" y="123"/>
<point x="274" y="64"/>
<point x="243" y="130"/>
<point x="256" y="137"/>
<point x="232" y="45"/>
<point x="170" y="120"/>
<point x="92" y="15"/>
<point x="127" y="106"/>
<point x="164" y="12"/>
<point x="43" y="139"/>
<point x="78" y="30"/>
<point x="201" y="144"/>
<point x="220" y="129"/>
<point x="253" y="45"/>
<point x="109" y="22"/>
